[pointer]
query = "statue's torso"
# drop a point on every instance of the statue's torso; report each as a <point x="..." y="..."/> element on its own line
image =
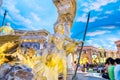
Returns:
<point x="59" y="41"/>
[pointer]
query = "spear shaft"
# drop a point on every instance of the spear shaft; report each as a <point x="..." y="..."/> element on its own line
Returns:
<point x="4" y="17"/>
<point x="74" y="76"/>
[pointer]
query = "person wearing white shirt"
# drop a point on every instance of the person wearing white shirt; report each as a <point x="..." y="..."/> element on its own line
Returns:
<point x="117" y="69"/>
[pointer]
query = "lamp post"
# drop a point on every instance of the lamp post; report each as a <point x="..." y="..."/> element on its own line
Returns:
<point x="4" y="17"/>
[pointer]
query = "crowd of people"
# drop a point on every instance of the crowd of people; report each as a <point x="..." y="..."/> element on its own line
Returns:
<point x="112" y="69"/>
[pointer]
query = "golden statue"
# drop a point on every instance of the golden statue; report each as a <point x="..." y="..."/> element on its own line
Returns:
<point x="7" y="29"/>
<point x="63" y="42"/>
<point x="54" y="56"/>
<point x="53" y="61"/>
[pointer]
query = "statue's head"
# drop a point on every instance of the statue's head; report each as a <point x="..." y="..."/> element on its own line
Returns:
<point x="7" y="24"/>
<point x="59" y="28"/>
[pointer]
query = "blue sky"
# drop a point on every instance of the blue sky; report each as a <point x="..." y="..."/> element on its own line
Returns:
<point x="104" y="26"/>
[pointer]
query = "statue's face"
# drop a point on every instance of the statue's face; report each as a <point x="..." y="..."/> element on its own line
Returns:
<point x="60" y="29"/>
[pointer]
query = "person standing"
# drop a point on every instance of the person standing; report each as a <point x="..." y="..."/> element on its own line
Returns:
<point x="87" y="66"/>
<point x="111" y="68"/>
<point x="105" y="72"/>
<point x="117" y="69"/>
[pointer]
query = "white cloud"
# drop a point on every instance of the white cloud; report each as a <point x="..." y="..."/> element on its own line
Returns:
<point x="93" y="42"/>
<point x="108" y="27"/>
<point x="93" y="19"/>
<point x="31" y="14"/>
<point x="112" y="44"/>
<point x="96" y="5"/>
<point x="96" y="45"/>
<point x="104" y="17"/>
<point x="108" y="43"/>
<point x="119" y="8"/>
<point x="113" y="39"/>
<point x="12" y="8"/>
<point x="35" y="17"/>
<point x="33" y="4"/>
<point x="15" y="16"/>
<point x="90" y="42"/>
<point x="83" y="18"/>
<point x="98" y="32"/>
<point x="108" y="12"/>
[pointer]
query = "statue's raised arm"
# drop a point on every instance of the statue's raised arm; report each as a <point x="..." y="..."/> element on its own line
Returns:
<point x="71" y="45"/>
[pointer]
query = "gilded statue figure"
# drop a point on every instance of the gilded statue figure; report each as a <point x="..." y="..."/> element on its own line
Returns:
<point x="54" y="56"/>
<point x="6" y="30"/>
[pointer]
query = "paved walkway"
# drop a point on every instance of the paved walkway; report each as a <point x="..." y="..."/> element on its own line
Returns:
<point x="85" y="76"/>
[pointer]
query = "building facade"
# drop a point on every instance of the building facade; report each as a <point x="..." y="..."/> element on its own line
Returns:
<point x="33" y="39"/>
<point x="87" y="54"/>
<point x="95" y="55"/>
<point x="118" y="48"/>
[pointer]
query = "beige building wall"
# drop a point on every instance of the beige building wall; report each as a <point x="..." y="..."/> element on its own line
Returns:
<point x="96" y="54"/>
